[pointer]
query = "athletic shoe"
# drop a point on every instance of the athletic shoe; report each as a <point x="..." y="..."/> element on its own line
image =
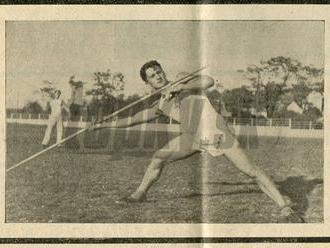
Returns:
<point x="288" y="215"/>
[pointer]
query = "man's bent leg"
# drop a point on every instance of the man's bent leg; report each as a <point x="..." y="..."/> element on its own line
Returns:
<point x="242" y="162"/>
<point x="160" y="158"/>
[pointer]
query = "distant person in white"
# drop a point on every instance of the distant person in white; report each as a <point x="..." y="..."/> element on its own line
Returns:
<point x="56" y="104"/>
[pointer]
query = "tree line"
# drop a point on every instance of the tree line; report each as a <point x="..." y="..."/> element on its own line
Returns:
<point x="272" y="86"/>
<point x="269" y="88"/>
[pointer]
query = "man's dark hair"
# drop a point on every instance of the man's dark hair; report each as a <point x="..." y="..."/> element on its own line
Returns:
<point x="146" y="66"/>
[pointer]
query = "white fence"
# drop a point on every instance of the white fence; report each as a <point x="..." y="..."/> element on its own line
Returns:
<point x="41" y="119"/>
<point x="242" y="126"/>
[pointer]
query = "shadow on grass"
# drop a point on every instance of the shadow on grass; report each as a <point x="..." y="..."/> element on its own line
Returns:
<point x="296" y="188"/>
<point x="236" y="192"/>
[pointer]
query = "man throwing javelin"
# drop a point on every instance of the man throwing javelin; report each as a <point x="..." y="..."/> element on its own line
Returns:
<point x="202" y="129"/>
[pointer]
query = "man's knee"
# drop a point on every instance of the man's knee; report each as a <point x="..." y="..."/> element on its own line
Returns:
<point x="161" y="156"/>
<point x="156" y="163"/>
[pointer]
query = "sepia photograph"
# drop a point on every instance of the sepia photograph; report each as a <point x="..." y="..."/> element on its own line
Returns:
<point x="164" y="121"/>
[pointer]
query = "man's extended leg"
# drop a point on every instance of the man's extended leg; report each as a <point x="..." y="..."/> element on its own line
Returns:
<point x="242" y="162"/>
<point x="177" y="149"/>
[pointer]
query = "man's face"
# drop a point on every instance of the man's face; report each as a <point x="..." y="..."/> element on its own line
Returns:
<point x="156" y="77"/>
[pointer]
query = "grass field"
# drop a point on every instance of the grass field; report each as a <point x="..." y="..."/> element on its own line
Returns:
<point x="71" y="185"/>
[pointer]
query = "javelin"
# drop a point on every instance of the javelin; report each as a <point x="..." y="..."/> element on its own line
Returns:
<point x="177" y="82"/>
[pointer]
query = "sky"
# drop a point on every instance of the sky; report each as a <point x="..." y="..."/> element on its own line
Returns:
<point x="56" y="50"/>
